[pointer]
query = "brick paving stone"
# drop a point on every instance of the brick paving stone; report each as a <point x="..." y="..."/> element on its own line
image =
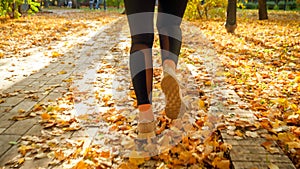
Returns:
<point x="4" y="143"/>
<point x="56" y="80"/>
<point x="8" y="155"/>
<point x="248" y="142"/>
<point x="61" y="90"/>
<point x="244" y="149"/>
<point x="51" y="97"/>
<point x="36" y="85"/>
<point x="35" y="130"/>
<point x="261" y="165"/>
<point x="38" y="96"/>
<point x="36" y="75"/>
<point x="25" y="82"/>
<point x="13" y="89"/>
<point x="5" y="120"/>
<point x="4" y="109"/>
<point x="36" y="163"/>
<point x="25" y="105"/>
<point x="50" y="67"/>
<point x="47" y="88"/>
<point x="20" y="127"/>
<point x="260" y="157"/>
<point x="11" y="101"/>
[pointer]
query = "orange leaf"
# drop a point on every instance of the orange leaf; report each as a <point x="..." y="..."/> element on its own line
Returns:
<point x="81" y="165"/>
<point x="45" y="116"/>
<point x="105" y="154"/>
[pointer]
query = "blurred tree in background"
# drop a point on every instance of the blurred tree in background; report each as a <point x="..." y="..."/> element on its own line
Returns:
<point x="14" y="8"/>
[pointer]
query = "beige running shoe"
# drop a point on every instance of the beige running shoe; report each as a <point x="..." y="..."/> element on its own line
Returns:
<point x="146" y="128"/>
<point x="170" y="87"/>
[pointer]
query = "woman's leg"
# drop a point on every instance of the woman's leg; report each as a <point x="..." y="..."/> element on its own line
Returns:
<point x="168" y="25"/>
<point x="140" y="19"/>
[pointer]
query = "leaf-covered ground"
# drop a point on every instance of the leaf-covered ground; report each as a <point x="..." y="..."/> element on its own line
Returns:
<point x="42" y="29"/>
<point x="177" y="145"/>
<point x="29" y="43"/>
<point x="262" y="62"/>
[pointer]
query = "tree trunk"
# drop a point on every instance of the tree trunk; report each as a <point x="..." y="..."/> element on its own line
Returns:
<point x="230" y="24"/>
<point x="46" y="3"/>
<point x="75" y="4"/>
<point x="262" y="10"/>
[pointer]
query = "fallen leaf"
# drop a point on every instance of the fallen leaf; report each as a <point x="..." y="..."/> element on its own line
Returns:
<point x="45" y="116"/>
<point x="272" y="166"/>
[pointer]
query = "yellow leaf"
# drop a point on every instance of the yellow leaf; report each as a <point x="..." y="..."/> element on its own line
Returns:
<point x="81" y="165"/>
<point x="45" y="116"/>
<point x="21" y="111"/>
<point x="219" y="163"/>
<point x="201" y="104"/>
<point x="239" y="133"/>
<point x="207" y="83"/>
<point x="21" y="160"/>
<point x="24" y="149"/>
<point x="294" y="107"/>
<point x="127" y="166"/>
<point x="105" y="154"/>
<point x="297" y="79"/>
<point x="62" y="72"/>
<point x="56" y="54"/>
<point x="267" y="144"/>
<point x="132" y="94"/>
<point x="294" y="144"/>
<point x="185" y="156"/>
<point x="1" y="55"/>
<point x="60" y="155"/>
<point x="135" y="160"/>
<point x="273" y="166"/>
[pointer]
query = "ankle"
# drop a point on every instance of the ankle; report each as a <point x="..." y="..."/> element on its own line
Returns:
<point x="169" y="64"/>
<point x="145" y="113"/>
<point x="144" y="107"/>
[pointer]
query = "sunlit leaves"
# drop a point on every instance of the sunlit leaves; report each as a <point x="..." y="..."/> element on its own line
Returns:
<point x="262" y="63"/>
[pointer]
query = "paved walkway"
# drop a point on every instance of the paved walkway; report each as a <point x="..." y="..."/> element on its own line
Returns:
<point x="108" y="50"/>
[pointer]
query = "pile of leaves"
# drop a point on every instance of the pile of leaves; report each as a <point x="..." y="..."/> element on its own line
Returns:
<point x="262" y="62"/>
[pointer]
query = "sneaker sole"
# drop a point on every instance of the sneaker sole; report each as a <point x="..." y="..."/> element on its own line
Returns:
<point x="170" y="87"/>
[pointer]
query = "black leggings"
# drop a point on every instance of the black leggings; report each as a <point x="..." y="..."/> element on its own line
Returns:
<point x="140" y="14"/>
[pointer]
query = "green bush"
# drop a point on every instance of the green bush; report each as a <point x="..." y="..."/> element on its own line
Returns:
<point x="114" y="3"/>
<point x="289" y="5"/>
<point x="251" y="5"/>
<point x="292" y="4"/>
<point x="281" y="4"/>
<point x="6" y="8"/>
<point x="240" y="5"/>
<point x="34" y="6"/>
<point x="271" y="4"/>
